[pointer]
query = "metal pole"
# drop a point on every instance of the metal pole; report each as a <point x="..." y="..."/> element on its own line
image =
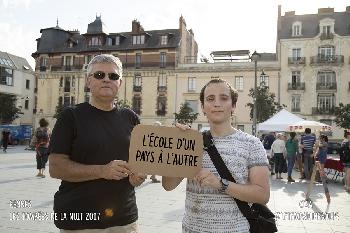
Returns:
<point x="254" y="99"/>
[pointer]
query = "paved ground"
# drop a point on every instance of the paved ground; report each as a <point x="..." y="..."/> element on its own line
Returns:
<point x="160" y="211"/>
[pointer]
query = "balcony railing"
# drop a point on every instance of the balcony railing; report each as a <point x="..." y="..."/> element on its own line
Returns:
<point x="137" y="88"/>
<point x="160" y="112"/>
<point x="326" y="36"/>
<point x="162" y="88"/>
<point x="296" y="86"/>
<point x="323" y="111"/>
<point x="296" y="60"/>
<point x="66" y="68"/>
<point x="295" y="109"/>
<point x="328" y="60"/>
<point x="326" y="86"/>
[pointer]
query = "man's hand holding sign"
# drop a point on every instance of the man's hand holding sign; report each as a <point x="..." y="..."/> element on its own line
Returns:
<point x="165" y="151"/>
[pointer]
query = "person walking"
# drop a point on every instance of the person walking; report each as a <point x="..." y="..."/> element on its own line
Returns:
<point x="345" y="159"/>
<point x="267" y="142"/>
<point x="292" y="150"/>
<point x="278" y="150"/>
<point x="42" y="138"/>
<point x="307" y="143"/>
<point x="5" y="139"/>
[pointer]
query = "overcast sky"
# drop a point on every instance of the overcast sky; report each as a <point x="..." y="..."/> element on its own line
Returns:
<point x="217" y="24"/>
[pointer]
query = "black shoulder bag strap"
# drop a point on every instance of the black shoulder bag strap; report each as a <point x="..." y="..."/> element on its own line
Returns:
<point x="224" y="172"/>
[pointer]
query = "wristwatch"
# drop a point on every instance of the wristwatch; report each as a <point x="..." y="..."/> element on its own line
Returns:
<point x="224" y="185"/>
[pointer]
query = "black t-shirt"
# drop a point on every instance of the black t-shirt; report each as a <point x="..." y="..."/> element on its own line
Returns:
<point x="94" y="137"/>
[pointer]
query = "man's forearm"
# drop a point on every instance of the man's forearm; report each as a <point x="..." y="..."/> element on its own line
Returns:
<point x="61" y="167"/>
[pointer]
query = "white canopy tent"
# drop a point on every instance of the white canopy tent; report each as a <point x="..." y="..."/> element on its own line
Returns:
<point x="279" y="122"/>
<point x="313" y="125"/>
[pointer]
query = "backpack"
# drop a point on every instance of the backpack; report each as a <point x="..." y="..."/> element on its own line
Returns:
<point x="344" y="153"/>
<point x="42" y="135"/>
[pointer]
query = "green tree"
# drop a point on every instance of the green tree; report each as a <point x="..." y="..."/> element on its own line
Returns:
<point x="342" y="115"/>
<point x="265" y="102"/>
<point x="186" y="115"/>
<point x="8" y="110"/>
<point x="123" y="104"/>
<point x="59" y="109"/>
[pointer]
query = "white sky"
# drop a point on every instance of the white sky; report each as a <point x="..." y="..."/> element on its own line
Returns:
<point x="217" y="24"/>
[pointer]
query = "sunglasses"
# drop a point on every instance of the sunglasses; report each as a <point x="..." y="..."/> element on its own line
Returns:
<point x="101" y="75"/>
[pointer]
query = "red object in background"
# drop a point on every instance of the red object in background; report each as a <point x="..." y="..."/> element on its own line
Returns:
<point x="335" y="164"/>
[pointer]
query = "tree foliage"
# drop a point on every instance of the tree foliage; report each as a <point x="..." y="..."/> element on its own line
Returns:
<point x="265" y="102"/>
<point x="185" y="115"/>
<point x="8" y="109"/>
<point x="59" y="109"/>
<point x="342" y="115"/>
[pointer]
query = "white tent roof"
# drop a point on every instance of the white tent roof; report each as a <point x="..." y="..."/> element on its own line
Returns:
<point x="279" y="122"/>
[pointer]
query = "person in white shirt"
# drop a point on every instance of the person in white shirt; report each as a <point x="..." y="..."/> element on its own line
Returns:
<point x="278" y="152"/>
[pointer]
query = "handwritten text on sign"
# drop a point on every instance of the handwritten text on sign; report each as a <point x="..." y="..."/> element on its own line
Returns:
<point x="166" y="151"/>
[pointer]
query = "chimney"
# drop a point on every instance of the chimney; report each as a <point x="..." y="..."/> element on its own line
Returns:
<point x="182" y="23"/>
<point x="289" y="13"/>
<point x="325" y="10"/>
<point x="136" y="27"/>
<point x="348" y="9"/>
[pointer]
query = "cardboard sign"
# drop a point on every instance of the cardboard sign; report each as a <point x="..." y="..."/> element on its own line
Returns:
<point x="165" y="151"/>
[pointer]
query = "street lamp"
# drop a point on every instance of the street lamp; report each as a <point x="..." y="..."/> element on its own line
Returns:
<point x="254" y="57"/>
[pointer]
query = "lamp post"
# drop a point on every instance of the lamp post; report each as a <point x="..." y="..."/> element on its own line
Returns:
<point x="254" y="57"/>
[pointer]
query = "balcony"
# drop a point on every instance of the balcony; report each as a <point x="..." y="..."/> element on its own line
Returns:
<point x="137" y="88"/>
<point x="160" y="112"/>
<point x="326" y="36"/>
<point x="162" y="88"/>
<point x="66" y="68"/>
<point x="296" y="86"/>
<point x="327" y="60"/>
<point x="296" y="60"/>
<point x="42" y="68"/>
<point x="323" y="111"/>
<point x="326" y="86"/>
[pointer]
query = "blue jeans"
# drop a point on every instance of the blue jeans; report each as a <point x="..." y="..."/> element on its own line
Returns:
<point x="291" y="161"/>
<point x="308" y="164"/>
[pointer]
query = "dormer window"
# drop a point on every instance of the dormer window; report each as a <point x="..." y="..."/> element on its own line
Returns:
<point x="95" y="41"/>
<point x="326" y="30"/>
<point x="164" y="39"/>
<point x="296" y="29"/>
<point x="113" y="40"/>
<point x="70" y="44"/>
<point x="138" y="39"/>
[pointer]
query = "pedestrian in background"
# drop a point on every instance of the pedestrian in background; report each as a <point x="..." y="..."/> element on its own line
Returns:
<point x="42" y="139"/>
<point x="292" y="150"/>
<point x="278" y="150"/>
<point x="307" y="143"/>
<point x="5" y="139"/>
<point x="267" y="142"/>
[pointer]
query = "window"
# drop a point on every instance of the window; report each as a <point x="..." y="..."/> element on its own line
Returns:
<point x="325" y="102"/>
<point x="296" y="29"/>
<point x="66" y="100"/>
<point x="239" y="83"/>
<point x="240" y="127"/>
<point x="295" y="77"/>
<point x="295" y="103"/>
<point x="326" y="78"/>
<point x="72" y="100"/>
<point x="68" y="61"/>
<point x="161" y="105"/>
<point x="296" y="54"/>
<point x="138" y="60"/>
<point x="162" y="79"/>
<point x="117" y="40"/>
<point x="88" y="59"/>
<point x="192" y="84"/>
<point x="138" y="39"/>
<point x="61" y="82"/>
<point x="162" y="60"/>
<point x="73" y="81"/>
<point x="6" y="76"/>
<point x="264" y="80"/>
<point x="326" y="29"/>
<point x="326" y="52"/>
<point x="94" y="41"/>
<point x="27" y="84"/>
<point x="44" y="61"/>
<point x="193" y="104"/>
<point x="137" y="80"/>
<point x="67" y="84"/>
<point x="136" y="104"/>
<point x="26" y="104"/>
<point x="164" y="39"/>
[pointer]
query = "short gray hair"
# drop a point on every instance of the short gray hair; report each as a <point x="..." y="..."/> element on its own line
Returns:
<point x="106" y="58"/>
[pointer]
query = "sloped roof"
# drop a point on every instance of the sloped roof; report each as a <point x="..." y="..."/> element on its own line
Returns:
<point x="16" y="62"/>
<point x="310" y="24"/>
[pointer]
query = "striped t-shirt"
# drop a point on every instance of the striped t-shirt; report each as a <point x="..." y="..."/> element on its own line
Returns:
<point x="308" y="141"/>
<point x="208" y="210"/>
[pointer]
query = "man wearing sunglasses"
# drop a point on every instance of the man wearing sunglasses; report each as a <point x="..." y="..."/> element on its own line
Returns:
<point x="89" y="151"/>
